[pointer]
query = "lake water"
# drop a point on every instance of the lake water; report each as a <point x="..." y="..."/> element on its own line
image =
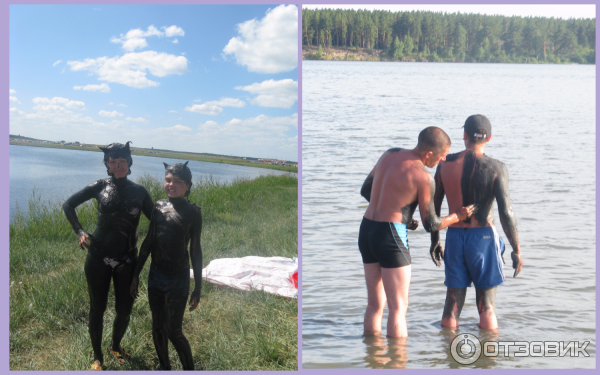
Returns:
<point x="56" y="174"/>
<point x="543" y="119"/>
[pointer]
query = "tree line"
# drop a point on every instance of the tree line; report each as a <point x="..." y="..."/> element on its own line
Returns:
<point x="436" y="36"/>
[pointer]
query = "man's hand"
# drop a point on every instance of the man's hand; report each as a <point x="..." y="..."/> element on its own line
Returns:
<point x="465" y="212"/>
<point x="84" y="239"/>
<point x="413" y="225"/>
<point x="133" y="289"/>
<point x="517" y="259"/>
<point x="437" y="253"/>
<point x="194" y="299"/>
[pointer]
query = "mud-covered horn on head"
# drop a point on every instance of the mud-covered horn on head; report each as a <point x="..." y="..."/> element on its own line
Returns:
<point x="182" y="171"/>
<point x="117" y="151"/>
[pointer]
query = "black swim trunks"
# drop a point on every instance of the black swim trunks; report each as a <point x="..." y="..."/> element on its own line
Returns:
<point x="384" y="243"/>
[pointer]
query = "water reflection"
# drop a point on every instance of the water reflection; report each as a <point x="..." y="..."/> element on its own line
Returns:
<point x="385" y="352"/>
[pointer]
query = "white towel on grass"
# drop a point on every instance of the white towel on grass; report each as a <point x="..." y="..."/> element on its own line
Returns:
<point x="272" y="274"/>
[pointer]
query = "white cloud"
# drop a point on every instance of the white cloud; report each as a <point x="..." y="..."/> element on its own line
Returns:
<point x="260" y="126"/>
<point x="210" y="124"/>
<point x="102" y="88"/>
<point x="138" y="119"/>
<point x="214" y="107"/>
<point x="104" y="113"/>
<point x="53" y="119"/>
<point x="135" y="38"/>
<point x="172" y="111"/>
<point x="121" y="105"/>
<point x="56" y="63"/>
<point x="57" y="101"/>
<point x="130" y="69"/>
<point x="111" y="103"/>
<point x="271" y="93"/>
<point x="269" y="45"/>
<point x="176" y="128"/>
<point x="173" y="31"/>
<point x="13" y="99"/>
<point x="175" y="41"/>
<point x="205" y="109"/>
<point x="11" y="91"/>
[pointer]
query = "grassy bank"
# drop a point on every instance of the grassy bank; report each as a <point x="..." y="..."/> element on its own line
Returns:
<point x="230" y="330"/>
<point x="168" y="154"/>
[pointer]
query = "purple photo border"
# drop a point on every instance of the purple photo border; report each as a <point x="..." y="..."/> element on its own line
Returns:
<point x="467" y="2"/>
<point x="4" y="167"/>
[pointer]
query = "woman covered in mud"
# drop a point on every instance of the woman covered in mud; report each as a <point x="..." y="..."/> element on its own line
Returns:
<point x="112" y="247"/>
<point x="175" y="224"/>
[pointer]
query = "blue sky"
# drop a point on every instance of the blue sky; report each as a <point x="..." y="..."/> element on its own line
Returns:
<point x="200" y="78"/>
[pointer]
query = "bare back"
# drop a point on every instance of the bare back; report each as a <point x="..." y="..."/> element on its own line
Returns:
<point x="467" y="178"/>
<point x="396" y="177"/>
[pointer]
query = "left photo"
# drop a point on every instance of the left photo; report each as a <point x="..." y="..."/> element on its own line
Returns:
<point x="153" y="187"/>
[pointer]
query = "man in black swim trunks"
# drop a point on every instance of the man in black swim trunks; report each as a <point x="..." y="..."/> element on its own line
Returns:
<point x="175" y="224"/>
<point x="396" y="185"/>
<point x="473" y="247"/>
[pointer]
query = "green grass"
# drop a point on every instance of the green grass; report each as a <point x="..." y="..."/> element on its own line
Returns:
<point x="230" y="330"/>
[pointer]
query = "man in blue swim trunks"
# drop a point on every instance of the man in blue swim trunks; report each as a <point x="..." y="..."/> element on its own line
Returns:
<point x="473" y="247"/>
<point x="396" y="185"/>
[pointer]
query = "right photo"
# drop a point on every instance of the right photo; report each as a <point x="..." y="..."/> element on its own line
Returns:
<point x="448" y="186"/>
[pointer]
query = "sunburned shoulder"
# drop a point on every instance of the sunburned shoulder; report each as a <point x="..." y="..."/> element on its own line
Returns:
<point x="419" y="173"/>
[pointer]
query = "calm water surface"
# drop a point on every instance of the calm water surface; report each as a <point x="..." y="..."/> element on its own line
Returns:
<point x="55" y="174"/>
<point x="543" y="119"/>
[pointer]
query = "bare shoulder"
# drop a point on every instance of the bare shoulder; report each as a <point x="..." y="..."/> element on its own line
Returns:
<point x="419" y="173"/>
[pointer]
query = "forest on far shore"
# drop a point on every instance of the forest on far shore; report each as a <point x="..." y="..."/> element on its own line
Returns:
<point x="450" y="37"/>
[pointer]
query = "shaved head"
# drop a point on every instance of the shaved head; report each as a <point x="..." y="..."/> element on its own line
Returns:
<point x="433" y="139"/>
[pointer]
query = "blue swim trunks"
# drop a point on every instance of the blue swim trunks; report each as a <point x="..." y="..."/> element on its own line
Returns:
<point x="473" y="255"/>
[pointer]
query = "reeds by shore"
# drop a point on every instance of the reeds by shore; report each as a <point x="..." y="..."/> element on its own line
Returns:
<point x="230" y="330"/>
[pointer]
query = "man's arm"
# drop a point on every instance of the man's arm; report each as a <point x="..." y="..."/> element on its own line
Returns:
<point x="437" y="250"/>
<point x="507" y="217"/>
<point x="196" y="255"/>
<point x="425" y="194"/>
<point x="365" y="190"/>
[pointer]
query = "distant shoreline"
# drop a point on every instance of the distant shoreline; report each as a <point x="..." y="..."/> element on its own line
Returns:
<point x="168" y="154"/>
<point x="362" y="54"/>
